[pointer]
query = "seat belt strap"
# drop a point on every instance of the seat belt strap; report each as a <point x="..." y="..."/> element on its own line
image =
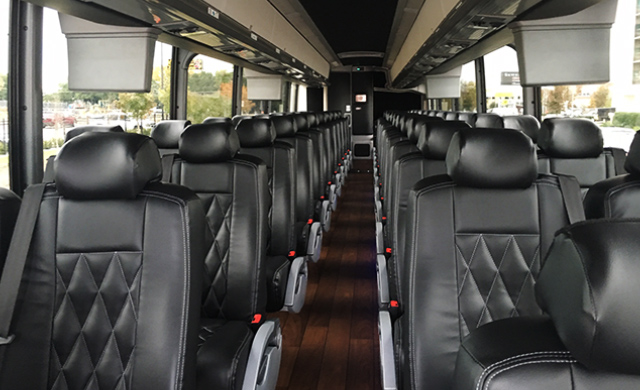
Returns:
<point x="17" y="258"/>
<point x="48" y="171"/>
<point x="167" y="165"/>
<point x="619" y="157"/>
<point x="572" y="197"/>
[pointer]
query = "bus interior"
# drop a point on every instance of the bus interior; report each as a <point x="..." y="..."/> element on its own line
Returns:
<point x="299" y="194"/>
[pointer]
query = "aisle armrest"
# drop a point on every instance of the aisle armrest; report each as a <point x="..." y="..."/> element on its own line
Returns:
<point x="263" y="365"/>
<point x="387" y="357"/>
<point x="383" y="281"/>
<point x="296" y="286"/>
<point x="379" y="238"/>
<point x="314" y="242"/>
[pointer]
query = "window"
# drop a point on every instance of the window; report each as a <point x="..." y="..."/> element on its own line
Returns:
<point x="504" y="93"/>
<point x="210" y="89"/>
<point x="468" y="100"/>
<point x="64" y="109"/>
<point x="4" y="113"/>
<point x="615" y="106"/>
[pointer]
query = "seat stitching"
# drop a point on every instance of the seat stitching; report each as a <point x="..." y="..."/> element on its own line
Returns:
<point x="486" y="386"/>
<point x="493" y="283"/>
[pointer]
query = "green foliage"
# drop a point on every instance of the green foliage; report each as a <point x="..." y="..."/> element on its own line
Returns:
<point x="3" y="87"/>
<point x="52" y="143"/>
<point x="601" y="97"/>
<point x="137" y="104"/>
<point x="208" y="83"/>
<point x="200" y="107"/>
<point x="468" y="96"/>
<point x="557" y="99"/>
<point x="4" y="148"/>
<point x="493" y="105"/>
<point x="629" y="120"/>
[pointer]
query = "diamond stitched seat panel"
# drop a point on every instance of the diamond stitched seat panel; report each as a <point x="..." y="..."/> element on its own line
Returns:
<point x="96" y="317"/>
<point x="496" y="277"/>
<point x="218" y="210"/>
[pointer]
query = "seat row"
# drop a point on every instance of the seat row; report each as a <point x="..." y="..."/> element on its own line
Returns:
<point x="474" y="214"/>
<point x="157" y="272"/>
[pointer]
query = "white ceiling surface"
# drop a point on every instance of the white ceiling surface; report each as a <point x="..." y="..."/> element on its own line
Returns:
<point x="429" y="18"/>
<point x="406" y="14"/>
<point x="261" y="17"/>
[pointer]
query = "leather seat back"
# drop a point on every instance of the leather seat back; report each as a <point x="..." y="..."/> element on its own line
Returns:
<point x="257" y="139"/>
<point x="451" y="116"/>
<point x="76" y="131"/>
<point x="9" y="207"/>
<point x="287" y="131"/>
<point x="235" y="195"/>
<point x="575" y="147"/>
<point x="588" y="288"/>
<point x="487" y="120"/>
<point x="112" y="285"/>
<point x="618" y="196"/>
<point x="473" y="248"/>
<point x="528" y="124"/>
<point x="166" y="135"/>
<point x="469" y="117"/>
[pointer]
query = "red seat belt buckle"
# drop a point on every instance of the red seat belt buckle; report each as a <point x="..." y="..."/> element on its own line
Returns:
<point x="256" y="318"/>
<point x="394" y="303"/>
<point x="388" y="250"/>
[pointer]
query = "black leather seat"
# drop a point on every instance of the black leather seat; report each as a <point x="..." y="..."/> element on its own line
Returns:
<point x="473" y="245"/>
<point x="235" y="194"/>
<point x="322" y="195"/>
<point x="528" y="124"/>
<point x="574" y="147"/>
<point x="408" y="170"/>
<point x="469" y="117"/>
<point x="9" y="207"/>
<point x="238" y="118"/>
<point x="617" y="197"/>
<point x="588" y="286"/>
<point x="166" y="135"/>
<point x="286" y="269"/>
<point x="488" y="120"/>
<point x="308" y="230"/>
<point x="76" y="131"/>
<point x="112" y="285"/>
<point x="451" y="116"/>
<point x="213" y="119"/>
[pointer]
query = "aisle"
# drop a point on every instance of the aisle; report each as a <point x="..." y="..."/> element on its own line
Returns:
<point x="333" y="342"/>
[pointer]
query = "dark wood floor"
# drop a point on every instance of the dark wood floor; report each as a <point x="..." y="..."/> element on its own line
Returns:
<point x="333" y="342"/>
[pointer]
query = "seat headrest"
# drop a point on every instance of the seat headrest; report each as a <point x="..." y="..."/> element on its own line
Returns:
<point x="166" y="134"/>
<point x="435" y="139"/>
<point x="407" y="125"/>
<point x="261" y="116"/>
<point x="492" y="158"/>
<point x="285" y="126"/>
<point x="589" y="287"/>
<point x="76" y="131"/>
<point x="632" y="162"/>
<point x="489" y="121"/>
<point x="301" y="122"/>
<point x="311" y="119"/>
<point x="213" y="119"/>
<point x="239" y="118"/>
<point x="106" y="166"/>
<point x="256" y="133"/>
<point x="528" y="124"/>
<point x="469" y="117"/>
<point x="570" y="138"/>
<point x="419" y="125"/>
<point x="209" y="143"/>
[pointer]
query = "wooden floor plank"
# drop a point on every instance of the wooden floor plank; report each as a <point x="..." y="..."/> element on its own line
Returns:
<point x="333" y="342"/>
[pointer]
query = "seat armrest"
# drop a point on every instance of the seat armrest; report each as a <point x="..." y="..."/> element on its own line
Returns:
<point x="264" y="358"/>
<point x="314" y="242"/>
<point x="325" y="215"/>
<point x="379" y="238"/>
<point x="296" y="286"/>
<point x="333" y="197"/>
<point x="383" y="281"/>
<point x="387" y="357"/>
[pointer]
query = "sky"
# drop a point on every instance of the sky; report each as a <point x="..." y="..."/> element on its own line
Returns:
<point x="55" y="58"/>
